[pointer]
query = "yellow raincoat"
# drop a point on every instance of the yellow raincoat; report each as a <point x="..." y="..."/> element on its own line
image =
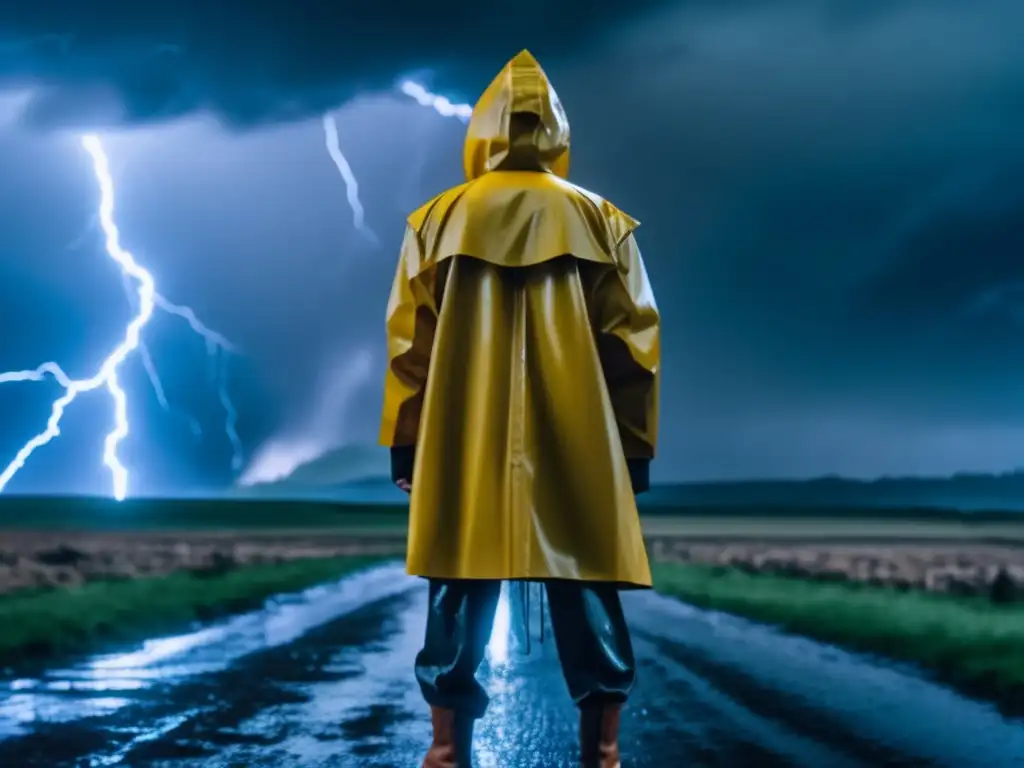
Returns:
<point x="523" y="345"/>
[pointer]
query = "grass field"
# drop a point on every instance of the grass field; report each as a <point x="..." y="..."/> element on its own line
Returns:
<point x="968" y="642"/>
<point x="44" y="623"/>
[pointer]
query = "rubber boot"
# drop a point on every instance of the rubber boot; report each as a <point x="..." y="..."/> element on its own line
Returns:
<point x="599" y="736"/>
<point x="453" y="740"/>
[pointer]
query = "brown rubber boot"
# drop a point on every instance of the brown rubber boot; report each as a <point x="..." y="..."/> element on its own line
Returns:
<point x="599" y="736"/>
<point x="453" y="736"/>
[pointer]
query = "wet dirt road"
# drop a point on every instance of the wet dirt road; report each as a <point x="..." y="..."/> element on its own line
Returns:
<point x="324" y="679"/>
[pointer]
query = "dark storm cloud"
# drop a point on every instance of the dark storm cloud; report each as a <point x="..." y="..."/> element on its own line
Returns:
<point x="836" y="194"/>
<point x="965" y="256"/>
<point x="108" y="61"/>
<point x="267" y="60"/>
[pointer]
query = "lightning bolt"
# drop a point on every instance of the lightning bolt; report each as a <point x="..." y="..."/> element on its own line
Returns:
<point x="348" y="177"/>
<point x="218" y="347"/>
<point x="280" y="457"/>
<point x="439" y="104"/>
<point x="146" y="300"/>
<point x="144" y="355"/>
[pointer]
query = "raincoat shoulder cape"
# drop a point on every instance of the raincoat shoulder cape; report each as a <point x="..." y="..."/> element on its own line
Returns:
<point x="521" y="394"/>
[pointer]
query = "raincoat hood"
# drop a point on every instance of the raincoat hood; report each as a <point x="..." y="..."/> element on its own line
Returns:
<point x="521" y="86"/>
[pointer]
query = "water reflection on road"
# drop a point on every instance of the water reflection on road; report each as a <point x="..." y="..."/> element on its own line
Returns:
<point x="98" y="685"/>
<point x="325" y="680"/>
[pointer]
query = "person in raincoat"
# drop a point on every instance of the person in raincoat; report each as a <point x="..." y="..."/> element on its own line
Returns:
<point x="521" y="408"/>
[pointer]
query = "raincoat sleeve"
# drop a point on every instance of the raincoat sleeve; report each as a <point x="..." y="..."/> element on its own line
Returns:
<point x="629" y="343"/>
<point x="411" y="321"/>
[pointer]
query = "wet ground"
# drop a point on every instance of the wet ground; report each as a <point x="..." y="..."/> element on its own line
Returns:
<point x="324" y="679"/>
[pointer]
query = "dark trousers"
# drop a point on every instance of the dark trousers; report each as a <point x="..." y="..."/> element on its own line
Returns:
<point x="590" y="635"/>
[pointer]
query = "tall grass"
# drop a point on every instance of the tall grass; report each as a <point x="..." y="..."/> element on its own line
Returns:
<point x="75" y="619"/>
<point x="971" y="643"/>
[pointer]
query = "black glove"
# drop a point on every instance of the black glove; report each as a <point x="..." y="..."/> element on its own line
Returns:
<point x="403" y="458"/>
<point x="639" y="474"/>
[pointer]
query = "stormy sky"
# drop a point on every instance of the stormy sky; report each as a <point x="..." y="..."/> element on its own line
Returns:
<point x="831" y="196"/>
